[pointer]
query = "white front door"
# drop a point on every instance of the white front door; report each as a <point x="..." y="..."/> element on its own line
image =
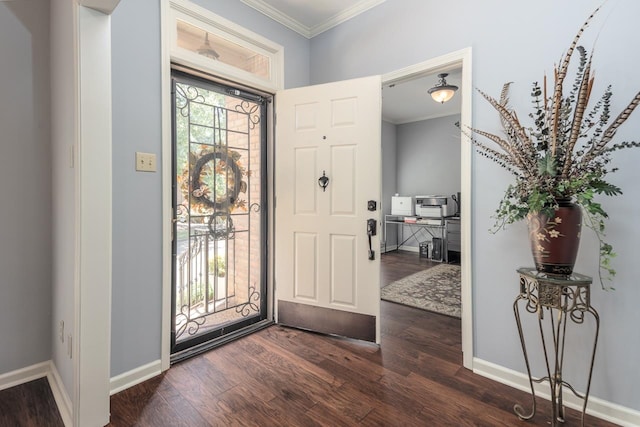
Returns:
<point x="327" y="266"/>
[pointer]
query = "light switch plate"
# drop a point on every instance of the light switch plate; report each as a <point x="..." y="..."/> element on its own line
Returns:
<point x="145" y="162"/>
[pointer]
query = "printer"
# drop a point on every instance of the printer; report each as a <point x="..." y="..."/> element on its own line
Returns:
<point x="402" y="205"/>
<point x="433" y="206"/>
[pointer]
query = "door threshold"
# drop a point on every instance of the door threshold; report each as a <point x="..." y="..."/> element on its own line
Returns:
<point x="210" y="345"/>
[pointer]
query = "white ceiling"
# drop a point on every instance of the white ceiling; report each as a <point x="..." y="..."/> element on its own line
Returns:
<point x="312" y="17"/>
<point x="406" y="101"/>
<point x="409" y="101"/>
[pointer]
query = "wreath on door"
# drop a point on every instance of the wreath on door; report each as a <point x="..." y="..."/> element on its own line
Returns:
<point x="215" y="182"/>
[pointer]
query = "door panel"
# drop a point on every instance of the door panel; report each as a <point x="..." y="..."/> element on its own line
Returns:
<point x="343" y="274"/>
<point x="306" y="255"/>
<point x="306" y="160"/>
<point x="343" y="161"/>
<point x="325" y="280"/>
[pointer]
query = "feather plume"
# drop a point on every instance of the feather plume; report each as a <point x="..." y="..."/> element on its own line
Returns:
<point x="512" y="121"/>
<point x="560" y="74"/>
<point x="581" y="106"/>
<point x="608" y="135"/>
<point x="514" y="155"/>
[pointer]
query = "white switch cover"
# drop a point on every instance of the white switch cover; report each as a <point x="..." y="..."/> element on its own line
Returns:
<point x="145" y="162"/>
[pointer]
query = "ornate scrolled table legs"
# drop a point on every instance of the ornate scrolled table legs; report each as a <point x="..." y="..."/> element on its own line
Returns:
<point x="564" y="299"/>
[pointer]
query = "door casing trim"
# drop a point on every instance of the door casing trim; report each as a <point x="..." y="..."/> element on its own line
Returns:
<point x="167" y="214"/>
<point x="461" y="58"/>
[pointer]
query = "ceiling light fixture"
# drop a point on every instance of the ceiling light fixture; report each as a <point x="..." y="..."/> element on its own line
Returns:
<point x="442" y="91"/>
<point x="207" y="50"/>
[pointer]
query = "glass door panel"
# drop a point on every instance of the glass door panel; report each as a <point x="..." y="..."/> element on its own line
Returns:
<point x="219" y="224"/>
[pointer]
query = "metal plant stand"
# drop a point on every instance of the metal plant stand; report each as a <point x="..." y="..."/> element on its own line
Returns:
<point x="563" y="299"/>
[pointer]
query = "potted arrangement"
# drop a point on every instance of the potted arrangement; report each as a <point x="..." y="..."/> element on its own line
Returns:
<point x="560" y="162"/>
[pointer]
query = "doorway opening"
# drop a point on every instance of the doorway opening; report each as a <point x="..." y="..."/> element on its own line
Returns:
<point x="219" y="195"/>
<point x="427" y="156"/>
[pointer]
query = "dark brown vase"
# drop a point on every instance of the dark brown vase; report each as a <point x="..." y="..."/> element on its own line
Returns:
<point x="555" y="241"/>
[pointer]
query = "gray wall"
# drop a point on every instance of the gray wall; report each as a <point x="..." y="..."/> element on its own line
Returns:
<point x="428" y="161"/>
<point x="137" y="197"/>
<point x="428" y="157"/>
<point x="25" y="185"/>
<point x="519" y="43"/>
<point x="137" y="209"/>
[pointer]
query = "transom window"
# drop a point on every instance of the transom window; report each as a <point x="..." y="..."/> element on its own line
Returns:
<point x="205" y="41"/>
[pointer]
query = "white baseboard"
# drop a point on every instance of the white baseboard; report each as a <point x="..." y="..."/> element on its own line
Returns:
<point x="60" y="395"/>
<point x="135" y="376"/>
<point x="24" y="375"/>
<point x="596" y="407"/>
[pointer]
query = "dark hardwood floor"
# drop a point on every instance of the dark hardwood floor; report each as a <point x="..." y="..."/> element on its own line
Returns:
<point x="29" y="405"/>
<point x="286" y="377"/>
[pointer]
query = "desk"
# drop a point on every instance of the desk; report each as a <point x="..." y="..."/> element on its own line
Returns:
<point x="437" y="227"/>
<point x="563" y="299"/>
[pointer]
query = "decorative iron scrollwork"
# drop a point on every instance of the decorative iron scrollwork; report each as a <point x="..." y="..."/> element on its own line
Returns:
<point x="221" y="226"/>
<point x="191" y="326"/>
<point x="249" y="109"/>
<point x="185" y="96"/>
<point x="250" y="306"/>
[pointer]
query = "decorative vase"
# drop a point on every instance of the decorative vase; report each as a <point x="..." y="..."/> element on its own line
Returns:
<point x="555" y="241"/>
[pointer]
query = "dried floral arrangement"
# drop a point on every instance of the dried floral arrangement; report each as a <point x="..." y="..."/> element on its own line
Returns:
<point x="565" y="154"/>
<point x="213" y="181"/>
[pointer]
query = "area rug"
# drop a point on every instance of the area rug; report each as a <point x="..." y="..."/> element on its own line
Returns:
<point x="435" y="289"/>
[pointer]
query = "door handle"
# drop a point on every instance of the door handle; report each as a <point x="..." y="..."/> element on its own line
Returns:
<point x="371" y="231"/>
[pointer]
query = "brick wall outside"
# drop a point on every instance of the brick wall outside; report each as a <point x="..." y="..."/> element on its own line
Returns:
<point x="244" y="266"/>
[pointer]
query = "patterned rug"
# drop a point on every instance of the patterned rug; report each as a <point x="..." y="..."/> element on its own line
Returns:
<point x="435" y="289"/>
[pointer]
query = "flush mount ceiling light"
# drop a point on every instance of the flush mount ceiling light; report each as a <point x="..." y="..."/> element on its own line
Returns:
<point x="207" y="50"/>
<point x="442" y="91"/>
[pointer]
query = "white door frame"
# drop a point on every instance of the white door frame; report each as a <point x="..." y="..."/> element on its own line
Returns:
<point x="91" y="343"/>
<point x="457" y="59"/>
<point x="237" y="76"/>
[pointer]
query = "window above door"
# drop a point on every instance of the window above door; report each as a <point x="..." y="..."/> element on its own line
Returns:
<point x="203" y="40"/>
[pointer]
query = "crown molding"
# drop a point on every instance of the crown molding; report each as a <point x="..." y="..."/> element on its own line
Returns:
<point x="276" y="15"/>
<point x="304" y="30"/>
<point x="344" y="16"/>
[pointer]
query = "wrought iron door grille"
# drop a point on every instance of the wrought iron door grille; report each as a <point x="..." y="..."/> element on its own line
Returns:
<point x="219" y="224"/>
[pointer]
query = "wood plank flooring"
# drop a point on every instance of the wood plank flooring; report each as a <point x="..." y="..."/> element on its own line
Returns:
<point x="287" y="377"/>
<point x="29" y="405"/>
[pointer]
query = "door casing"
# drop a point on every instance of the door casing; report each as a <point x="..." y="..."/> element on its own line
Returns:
<point x="453" y="60"/>
<point x="270" y="87"/>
